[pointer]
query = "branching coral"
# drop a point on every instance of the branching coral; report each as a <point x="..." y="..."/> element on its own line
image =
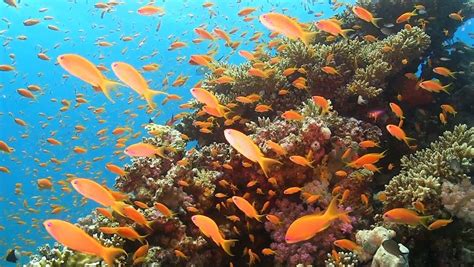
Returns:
<point x="448" y="160"/>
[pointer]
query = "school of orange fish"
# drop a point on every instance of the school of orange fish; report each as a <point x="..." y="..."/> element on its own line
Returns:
<point x="127" y="75"/>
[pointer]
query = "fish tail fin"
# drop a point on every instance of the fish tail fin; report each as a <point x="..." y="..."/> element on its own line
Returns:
<point x="160" y="151"/>
<point x="265" y="164"/>
<point x="227" y="244"/>
<point x="333" y="212"/>
<point x="308" y="37"/>
<point x="407" y="139"/>
<point x="149" y="94"/>
<point x="223" y="110"/>
<point x="424" y="220"/>
<point x="106" y="86"/>
<point x="344" y="32"/>
<point x="445" y="88"/>
<point x="109" y="254"/>
<point x="118" y="207"/>
<point x="374" y="22"/>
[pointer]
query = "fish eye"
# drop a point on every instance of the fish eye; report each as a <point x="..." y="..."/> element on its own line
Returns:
<point x="49" y="224"/>
<point x="61" y="57"/>
<point x="114" y="65"/>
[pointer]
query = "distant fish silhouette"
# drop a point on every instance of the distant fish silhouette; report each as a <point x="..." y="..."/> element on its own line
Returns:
<point x="12" y="256"/>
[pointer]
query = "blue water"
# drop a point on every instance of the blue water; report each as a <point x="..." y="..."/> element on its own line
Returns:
<point x="83" y="25"/>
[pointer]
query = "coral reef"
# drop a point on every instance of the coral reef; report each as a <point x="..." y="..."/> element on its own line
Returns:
<point x="448" y="160"/>
<point x="203" y="180"/>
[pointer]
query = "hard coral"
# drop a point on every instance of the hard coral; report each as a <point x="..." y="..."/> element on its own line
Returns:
<point x="448" y="160"/>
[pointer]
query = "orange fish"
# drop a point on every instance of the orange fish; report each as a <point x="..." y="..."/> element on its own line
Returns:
<point x="88" y="72"/>
<point x="209" y="228"/>
<point x="444" y="72"/>
<point x="75" y="238"/>
<point x="322" y="102"/>
<point x="115" y="169"/>
<point x="370" y="158"/>
<point x="347" y="244"/>
<point x="405" y="216"/>
<point x="163" y="209"/>
<point x="94" y="191"/>
<point x="439" y="223"/>
<point x="330" y="70"/>
<point x="331" y="27"/>
<point x="131" y="77"/>
<point x="212" y="105"/>
<point x="288" y="27"/>
<point x="397" y="110"/>
<point x="365" y="15"/>
<point x="145" y="150"/>
<point x="302" y="161"/>
<point x="278" y="149"/>
<point x="398" y="133"/>
<point x="150" y="10"/>
<point x="247" y="208"/>
<point x="448" y="109"/>
<point x="405" y="17"/>
<point x="292" y="115"/>
<point x="292" y="190"/>
<point x="133" y="214"/>
<point x="245" y="146"/>
<point x="246" y="11"/>
<point x="308" y="226"/>
<point x="434" y="86"/>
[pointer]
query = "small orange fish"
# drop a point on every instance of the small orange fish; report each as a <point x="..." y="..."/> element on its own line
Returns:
<point x="398" y="133"/>
<point x="245" y="146"/>
<point x="397" y="110"/>
<point x="302" y="161"/>
<point x="87" y="72"/>
<point x="448" y="109"/>
<point x="292" y="190"/>
<point x="439" y="223"/>
<point x="75" y="238"/>
<point x="332" y="27"/>
<point x="292" y="115"/>
<point x="444" y="72"/>
<point x="308" y="226"/>
<point x="347" y="245"/>
<point x="365" y="15"/>
<point x="209" y="228"/>
<point x="164" y="210"/>
<point x="405" y="216"/>
<point x="286" y="26"/>
<point x="405" y="17"/>
<point x="131" y="77"/>
<point x="434" y="86"/>
<point x="370" y="158"/>
<point x="322" y="102"/>
<point x="246" y="208"/>
<point x="145" y="150"/>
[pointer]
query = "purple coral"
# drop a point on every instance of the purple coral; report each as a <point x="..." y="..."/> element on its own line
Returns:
<point x="306" y="252"/>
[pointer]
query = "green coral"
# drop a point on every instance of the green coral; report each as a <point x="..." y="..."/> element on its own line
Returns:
<point x="422" y="174"/>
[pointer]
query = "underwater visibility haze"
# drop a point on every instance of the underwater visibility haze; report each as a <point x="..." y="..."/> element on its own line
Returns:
<point x="236" y="133"/>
